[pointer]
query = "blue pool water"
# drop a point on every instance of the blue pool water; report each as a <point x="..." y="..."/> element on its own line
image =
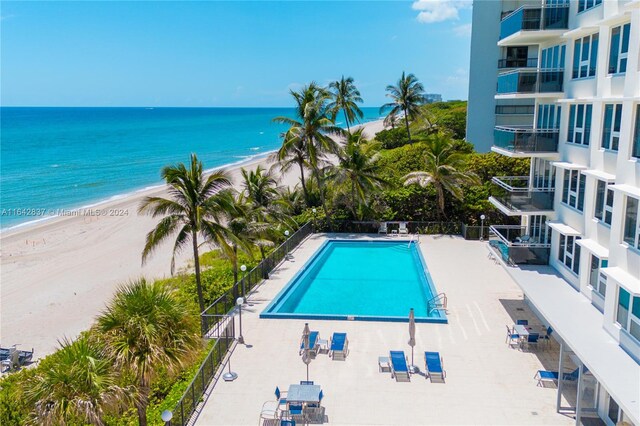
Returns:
<point x="366" y="280"/>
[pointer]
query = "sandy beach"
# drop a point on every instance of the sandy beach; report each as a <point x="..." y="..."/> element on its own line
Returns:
<point x="56" y="275"/>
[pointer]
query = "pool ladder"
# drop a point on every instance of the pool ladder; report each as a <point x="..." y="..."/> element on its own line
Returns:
<point x="438" y="302"/>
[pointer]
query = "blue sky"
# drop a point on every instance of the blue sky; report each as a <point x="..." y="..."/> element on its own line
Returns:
<point x="225" y="53"/>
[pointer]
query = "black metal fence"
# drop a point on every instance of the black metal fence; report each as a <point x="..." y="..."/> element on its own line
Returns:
<point x="225" y="303"/>
<point x="209" y="372"/>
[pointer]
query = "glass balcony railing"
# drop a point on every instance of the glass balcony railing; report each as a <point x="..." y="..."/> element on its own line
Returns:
<point x="552" y="17"/>
<point x="518" y="63"/>
<point x="516" y="195"/>
<point x="530" y="81"/>
<point x="516" y="247"/>
<point x="522" y="140"/>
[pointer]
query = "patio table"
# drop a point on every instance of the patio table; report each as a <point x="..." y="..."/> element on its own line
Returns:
<point x="303" y="393"/>
<point x="521" y="330"/>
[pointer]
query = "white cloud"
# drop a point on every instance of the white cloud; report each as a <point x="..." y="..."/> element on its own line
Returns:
<point x="462" y="30"/>
<point x="432" y="11"/>
<point x="459" y="77"/>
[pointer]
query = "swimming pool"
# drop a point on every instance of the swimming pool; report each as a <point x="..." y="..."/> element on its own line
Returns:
<point x="359" y="280"/>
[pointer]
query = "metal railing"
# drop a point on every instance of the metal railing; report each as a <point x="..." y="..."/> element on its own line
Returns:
<point x="437" y="302"/>
<point x="518" y="63"/>
<point x="526" y="139"/>
<point x="528" y="18"/>
<point x="530" y="81"/>
<point x="469" y="232"/>
<point x="225" y="303"/>
<point x="208" y="373"/>
<point x="514" y="193"/>
<point x="514" y="245"/>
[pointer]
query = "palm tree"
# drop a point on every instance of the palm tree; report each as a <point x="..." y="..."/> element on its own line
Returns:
<point x="357" y="169"/>
<point x="444" y="169"/>
<point x="345" y="96"/>
<point x="260" y="187"/>
<point x="310" y="134"/>
<point x="407" y="96"/>
<point x="77" y="385"/>
<point x="147" y="329"/>
<point x="196" y="206"/>
<point x="390" y="120"/>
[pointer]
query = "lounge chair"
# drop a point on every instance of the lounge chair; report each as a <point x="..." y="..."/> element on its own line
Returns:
<point x="544" y="376"/>
<point x="339" y="346"/>
<point x="313" y="343"/>
<point x="433" y="363"/>
<point x="12" y="358"/>
<point x="403" y="228"/>
<point x="399" y="369"/>
<point x="383" y="228"/>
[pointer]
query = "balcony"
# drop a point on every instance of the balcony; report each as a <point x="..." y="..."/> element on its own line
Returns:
<point x="515" y="246"/>
<point x="513" y="196"/>
<point x="532" y="25"/>
<point x="525" y="141"/>
<point x="526" y="82"/>
<point x="518" y="63"/>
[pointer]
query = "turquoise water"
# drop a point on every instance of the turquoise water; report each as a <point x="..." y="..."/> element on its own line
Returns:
<point x="362" y="279"/>
<point x="54" y="158"/>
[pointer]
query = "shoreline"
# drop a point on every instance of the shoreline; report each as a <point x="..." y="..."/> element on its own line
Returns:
<point x="58" y="274"/>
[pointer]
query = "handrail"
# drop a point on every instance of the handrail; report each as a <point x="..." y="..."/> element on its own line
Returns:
<point x="525" y="129"/>
<point x="437" y="302"/>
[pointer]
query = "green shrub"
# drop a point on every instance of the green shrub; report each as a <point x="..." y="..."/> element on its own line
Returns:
<point x="392" y="138"/>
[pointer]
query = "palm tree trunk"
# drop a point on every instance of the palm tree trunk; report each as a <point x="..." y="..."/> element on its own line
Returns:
<point x="304" y="184"/>
<point x="143" y="391"/>
<point x="196" y="260"/>
<point x="441" y="201"/>
<point x="406" y="122"/>
<point x="353" y="198"/>
<point x="322" y="198"/>
<point x="346" y="119"/>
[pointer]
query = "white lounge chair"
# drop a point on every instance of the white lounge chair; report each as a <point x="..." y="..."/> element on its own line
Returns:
<point x="383" y="228"/>
<point x="403" y="228"/>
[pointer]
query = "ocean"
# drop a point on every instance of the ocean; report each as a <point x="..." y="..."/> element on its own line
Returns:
<point x="65" y="158"/>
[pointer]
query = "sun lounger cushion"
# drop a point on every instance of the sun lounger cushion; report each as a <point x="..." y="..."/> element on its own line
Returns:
<point x="337" y="341"/>
<point x="398" y="361"/>
<point x="433" y="362"/>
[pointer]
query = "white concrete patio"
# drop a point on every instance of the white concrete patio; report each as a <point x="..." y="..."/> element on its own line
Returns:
<point x="487" y="382"/>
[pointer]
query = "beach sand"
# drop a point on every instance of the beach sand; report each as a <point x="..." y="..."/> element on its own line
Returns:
<point x="57" y="275"/>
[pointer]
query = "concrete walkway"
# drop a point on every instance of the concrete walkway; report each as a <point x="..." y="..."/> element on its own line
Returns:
<point x="487" y="382"/>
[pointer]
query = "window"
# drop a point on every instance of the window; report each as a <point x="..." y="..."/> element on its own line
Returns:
<point x="604" y="203"/>
<point x="548" y="116"/>
<point x="585" y="56"/>
<point x="579" y="130"/>
<point x="598" y="280"/>
<point x="611" y="128"/>
<point x="553" y="57"/>
<point x="632" y="223"/>
<point x="628" y="316"/>
<point x="619" y="49"/>
<point x="635" y="143"/>
<point x="587" y="4"/>
<point x="573" y="189"/>
<point x="569" y="252"/>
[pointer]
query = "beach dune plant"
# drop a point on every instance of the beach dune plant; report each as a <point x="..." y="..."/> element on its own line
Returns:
<point x="406" y="97"/>
<point x="196" y="206"/>
<point x="146" y="329"/>
<point x="345" y="96"/>
<point x="77" y="385"/>
<point x="444" y="169"/>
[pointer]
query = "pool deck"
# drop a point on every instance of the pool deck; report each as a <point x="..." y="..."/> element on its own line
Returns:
<point x="487" y="382"/>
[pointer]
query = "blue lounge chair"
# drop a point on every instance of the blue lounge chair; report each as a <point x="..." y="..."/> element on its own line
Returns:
<point x="339" y="346"/>
<point x="543" y="376"/>
<point x="434" y="370"/>
<point x="313" y="343"/>
<point x="399" y="369"/>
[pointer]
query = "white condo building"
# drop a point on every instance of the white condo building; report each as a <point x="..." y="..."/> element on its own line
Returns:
<point x="566" y="94"/>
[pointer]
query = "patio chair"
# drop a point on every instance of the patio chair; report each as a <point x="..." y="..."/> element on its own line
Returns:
<point x="384" y="365"/>
<point x="522" y="322"/>
<point x="280" y="397"/>
<point x="383" y="228"/>
<point x="399" y="368"/>
<point x="433" y="363"/>
<point x="547" y="336"/>
<point x="339" y="346"/>
<point x="544" y="376"/>
<point x="313" y="343"/>
<point x="306" y="382"/>
<point x="532" y="340"/>
<point x="403" y="228"/>
<point x="296" y="413"/>
<point x="287" y="423"/>
<point x="12" y="360"/>
<point x="513" y="338"/>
